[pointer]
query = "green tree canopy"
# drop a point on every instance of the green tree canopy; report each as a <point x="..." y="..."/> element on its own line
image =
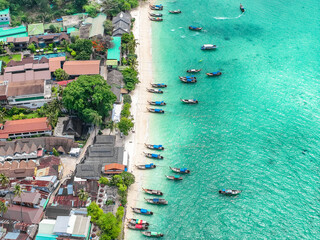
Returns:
<point x="104" y="180"/>
<point x="109" y="225"/>
<point x="87" y="95"/>
<point x="83" y="48"/>
<point x="126" y="110"/>
<point x="130" y="77"/>
<point x="94" y="211"/>
<point x="61" y="74"/>
<point x="127" y="178"/>
<point x="107" y="25"/>
<point x="125" y="125"/>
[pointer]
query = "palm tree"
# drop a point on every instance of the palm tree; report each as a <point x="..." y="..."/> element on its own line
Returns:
<point x="17" y="192"/>
<point x="83" y="195"/>
<point x="4" y="180"/>
<point x="131" y="45"/>
<point x="110" y="7"/>
<point x="96" y="120"/>
<point x="3" y="208"/>
<point x="111" y="125"/>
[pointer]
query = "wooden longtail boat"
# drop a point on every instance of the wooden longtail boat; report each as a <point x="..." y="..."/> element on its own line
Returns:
<point x="213" y="74"/>
<point x="156" y="19"/>
<point x="180" y="170"/>
<point x="158" y="85"/>
<point x="153" y="234"/>
<point x="189" y="101"/>
<point x="157" y="201"/>
<point x="137" y="226"/>
<point x="142" y="211"/>
<point x="157" y="103"/>
<point x="175" y="11"/>
<point x="146" y="166"/>
<point x="208" y="47"/>
<point x="156" y="7"/>
<point x="155" y="110"/>
<point x="195" y="28"/>
<point x="154" y="147"/>
<point x="155" y="14"/>
<point x="153" y="155"/>
<point x="176" y="178"/>
<point x="229" y="192"/>
<point x="153" y="192"/>
<point x="188" y="80"/>
<point x="242" y="8"/>
<point x="134" y="221"/>
<point x="154" y="90"/>
<point x="193" y="70"/>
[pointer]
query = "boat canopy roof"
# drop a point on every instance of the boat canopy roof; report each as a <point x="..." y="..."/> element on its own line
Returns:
<point x="157" y="110"/>
<point x="208" y="45"/>
<point x="183" y="169"/>
<point x="157" y="146"/>
<point x="159" y="5"/>
<point x="216" y="72"/>
<point x="176" y="176"/>
<point x="154" y="234"/>
<point x="143" y="210"/>
<point x="156" y="199"/>
<point x="159" y="102"/>
<point x="154" y="155"/>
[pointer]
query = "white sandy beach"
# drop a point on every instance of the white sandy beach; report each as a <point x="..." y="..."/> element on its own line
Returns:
<point x="135" y="141"/>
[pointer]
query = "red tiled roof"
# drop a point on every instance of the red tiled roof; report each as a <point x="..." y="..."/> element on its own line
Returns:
<point x="29" y="215"/>
<point x="55" y="63"/>
<point x="65" y="83"/>
<point x="82" y="67"/>
<point x="28" y="197"/>
<point x="23" y="126"/>
<point x="113" y="168"/>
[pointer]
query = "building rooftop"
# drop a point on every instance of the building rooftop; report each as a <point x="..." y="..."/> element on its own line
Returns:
<point x="18" y="169"/>
<point x="113" y="168"/>
<point x="24" y="125"/>
<point x="122" y="16"/>
<point x="35" y="29"/>
<point x="55" y="63"/>
<point x="115" y="52"/>
<point x="28" y="197"/>
<point x="96" y="25"/>
<point x="18" y="40"/>
<point x="20" y="31"/>
<point x="89" y="67"/>
<point x="25" y="88"/>
<point x="29" y="215"/>
<point x="5" y="11"/>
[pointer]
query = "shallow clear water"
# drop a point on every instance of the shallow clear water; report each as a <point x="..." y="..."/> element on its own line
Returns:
<point x="256" y="127"/>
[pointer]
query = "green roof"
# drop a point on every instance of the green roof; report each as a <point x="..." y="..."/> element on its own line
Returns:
<point x="4" y="11"/>
<point x="115" y="52"/>
<point x="71" y="29"/>
<point x="20" y="31"/>
<point x="0" y="65"/>
<point x="46" y="237"/>
<point x="47" y="26"/>
<point x="112" y="63"/>
<point x="35" y="29"/>
<point x="97" y="24"/>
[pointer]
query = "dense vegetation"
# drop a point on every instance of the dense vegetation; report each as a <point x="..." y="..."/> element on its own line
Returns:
<point x="90" y="97"/>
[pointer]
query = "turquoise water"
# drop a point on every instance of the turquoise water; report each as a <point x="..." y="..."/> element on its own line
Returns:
<point x="50" y="55"/>
<point x="256" y="127"/>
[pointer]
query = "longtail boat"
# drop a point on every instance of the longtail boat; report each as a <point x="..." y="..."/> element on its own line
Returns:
<point x="155" y="14"/>
<point x="146" y="166"/>
<point x="229" y="192"/>
<point x="156" y="19"/>
<point x="176" y="178"/>
<point x="213" y="74"/>
<point x="157" y="103"/>
<point x="158" y="85"/>
<point x="155" y="110"/>
<point x="175" y="11"/>
<point x="189" y="101"/>
<point x="154" y="147"/>
<point x="208" y="47"/>
<point x="153" y="234"/>
<point x="153" y="192"/>
<point x="195" y="28"/>
<point x="154" y="90"/>
<point x="157" y="201"/>
<point x="137" y="226"/>
<point x="153" y="155"/>
<point x="188" y="80"/>
<point x="193" y="70"/>
<point x="142" y="211"/>
<point x="180" y="170"/>
<point x="242" y="8"/>
<point x="134" y="221"/>
<point x="156" y="7"/>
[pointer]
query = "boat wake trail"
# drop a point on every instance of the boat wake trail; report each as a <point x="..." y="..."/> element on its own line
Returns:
<point x="225" y="18"/>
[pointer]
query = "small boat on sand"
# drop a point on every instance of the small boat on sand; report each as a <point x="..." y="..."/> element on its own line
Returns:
<point x="137" y="226"/>
<point x="157" y="103"/>
<point x="193" y="70"/>
<point x="156" y="7"/>
<point x="142" y="211"/>
<point x="134" y="221"/>
<point x="146" y="166"/>
<point x="208" y="47"/>
<point x="153" y="234"/>
<point x="242" y="8"/>
<point x="158" y="85"/>
<point x="174" y="178"/>
<point x="153" y="192"/>
<point x="153" y="155"/>
<point x="154" y="147"/>
<point x="229" y="192"/>
<point x="213" y="74"/>
<point x="156" y="19"/>
<point x="155" y="110"/>
<point x="154" y="90"/>
<point x="157" y="201"/>
<point x="155" y="14"/>
<point x="188" y="79"/>
<point x="180" y="170"/>
<point x="195" y="28"/>
<point x="189" y="101"/>
<point x="175" y="11"/>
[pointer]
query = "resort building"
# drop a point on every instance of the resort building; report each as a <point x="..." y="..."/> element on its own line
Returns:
<point x="35" y="29"/>
<point x="42" y="41"/>
<point x="113" y="168"/>
<point x="5" y="17"/>
<point x="115" y="80"/>
<point x="25" y="128"/>
<point x="121" y="24"/>
<point x="96" y="25"/>
<point x="49" y="166"/>
<point x="114" y="54"/>
<point x="18" y="169"/>
<point x="77" y="68"/>
<point x="20" y="43"/>
<point x="20" y="31"/>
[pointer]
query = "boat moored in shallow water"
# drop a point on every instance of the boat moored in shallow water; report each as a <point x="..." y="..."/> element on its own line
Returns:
<point x="157" y="103"/>
<point x="138" y="221"/>
<point x="153" y="192"/>
<point x="156" y="7"/>
<point x="154" y="90"/>
<point x="195" y="28"/>
<point x="176" y="178"/>
<point x="153" y="234"/>
<point x="154" y="147"/>
<point x="193" y="70"/>
<point x="146" y="166"/>
<point x="229" y="192"/>
<point x="180" y="170"/>
<point x="213" y="74"/>
<point x="175" y="11"/>
<point x="153" y="155"/>
<point x="208" y="47"/>
<point x="155" y="110"/>
<point x="157" y="201"/>
<point x="189" y="101"/>
<point x="158" y="85"/>
<point x="137" y="226"/>
<point x="155" y="14"/>
<point x="156" y="19"/>
<point x="142" y="211"/>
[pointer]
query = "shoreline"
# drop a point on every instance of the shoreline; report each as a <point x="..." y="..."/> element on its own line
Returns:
<point x="134" y="143"/>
